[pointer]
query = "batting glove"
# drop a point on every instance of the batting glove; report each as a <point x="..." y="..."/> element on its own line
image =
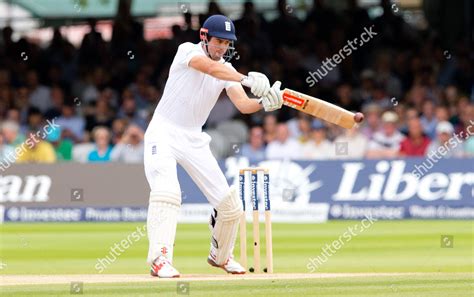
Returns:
<point x="273" y="100"/>
<point x="257" y="82"/>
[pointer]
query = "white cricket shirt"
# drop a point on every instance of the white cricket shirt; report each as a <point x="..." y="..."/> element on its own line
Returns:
<point x="189" y="94"/>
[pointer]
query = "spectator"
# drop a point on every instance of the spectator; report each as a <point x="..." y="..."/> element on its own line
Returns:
<point x="469" y="147"/>
<point x="95" y="80"/>
<point x="118" y="129"/>
<point x="57" y="99"/>
<point x="452" y="148"/>
<point x="92" y="47"/>
<point x="130" y="148"/>
<point x="34" y="121"/>
<point x="300" y="127"/>
<point x="101" y="115"/>
<point x="270" y="127"/>
<point x="283" y="147"/>
<point x="11" y="133"/>
<point x="39" y="95"/>
<point x="72" y="124"/>
<point x="36" y="150"/>
<point x="386" y="143"/>
<point x="319" y="147"/>
<point x="304" y="127"/>
<point x="255" y="149"/>
<point x="428" y="119"/>
<point x="62" y="147"/>
<point x="416" y="143"/>
<point x="380" y="97"/>
<point x="129" y="110"/>
<point x="6" y="153"/>
<point x="102" y="150"/>
<point x="140" y="90"/>
<point x="410" y="113"/>
<point x="372" y="122"/>
<point x="466" y="117"/>
<point x="345" y="98"/>
<point x="367" y="84"/>
<point x="442" y="114"/>
<point x="357" y="144"/>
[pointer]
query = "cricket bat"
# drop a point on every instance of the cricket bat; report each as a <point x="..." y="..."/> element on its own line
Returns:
<point x="321" y="109"/>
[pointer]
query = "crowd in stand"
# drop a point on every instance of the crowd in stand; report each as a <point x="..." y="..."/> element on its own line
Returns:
<point x="93" y="103"/>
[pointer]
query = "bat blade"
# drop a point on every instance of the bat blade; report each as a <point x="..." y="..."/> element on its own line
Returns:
<point x="319" y="108"/>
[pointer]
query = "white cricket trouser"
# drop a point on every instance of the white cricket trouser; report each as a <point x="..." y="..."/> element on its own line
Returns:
<point x="166" y="146"/>
<point x="190" y="149"/>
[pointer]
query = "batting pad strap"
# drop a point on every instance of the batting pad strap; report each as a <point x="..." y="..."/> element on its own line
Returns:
<point x="166" y="197"/>
<point x="230" y="208"/>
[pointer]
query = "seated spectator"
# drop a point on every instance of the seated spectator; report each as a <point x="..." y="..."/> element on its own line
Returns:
<point x="386" y="143"/>
<point x="300" y="127"/>
<point x="469" y="147"/>
<point x="118" y="129"/>
<point x="367" y="84"/>
<point x="372" y="123"/>
<point x="283" y="147"/>
<point x="57" y="98"/>
<point x="428" y="119"/>
<point x="416" y="143"/>
<point x="11" y="133"/>
<point x="36" y="150"/>
<point x="102" y="150"/>
<point x="129" y="110"/>
<point x="71" y="124"/>
<point x="39" y="95"/>
<point x="442" y="113"/>
<point x="452" y="148"/>
<point x="7" y="153"/>
<point x="34" y="120"/>
<point x="410" y="113"/>
<point x="140" y="90"/>
<point x="62" y="147"/>
<point x="101" y="115"/>
<point x="466" y="119"/>
<point x="357" y="144"/>
<point x="304" y="126"/>
<point x="254" y="150"/>
<point x="130" y="149"/>
<point x="319" y="147"/>
<point x="345" y="98"/>
<point x="269" y="127"/>
<point x="380" y="96"/>
<point x="13" y="114"/>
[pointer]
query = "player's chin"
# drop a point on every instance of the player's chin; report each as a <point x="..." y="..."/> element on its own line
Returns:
<point x="217" y="57"/>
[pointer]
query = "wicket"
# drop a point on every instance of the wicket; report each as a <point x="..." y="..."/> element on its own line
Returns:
<point x="256" y="224"/>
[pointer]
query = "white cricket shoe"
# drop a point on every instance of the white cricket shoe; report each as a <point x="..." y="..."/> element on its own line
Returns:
<point x="230" y="266"/>
<point x="162" y="268"/>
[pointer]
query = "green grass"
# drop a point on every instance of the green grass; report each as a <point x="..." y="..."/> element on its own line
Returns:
<point x="387" y="246"/>
<point x="433" y="286"/>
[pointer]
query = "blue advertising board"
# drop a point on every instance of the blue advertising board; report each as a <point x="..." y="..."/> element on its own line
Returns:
<point x="300" y="191"/>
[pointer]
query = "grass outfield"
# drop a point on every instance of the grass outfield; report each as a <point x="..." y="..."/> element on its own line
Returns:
<point x="422" y="286"/>
<point x="386" y="246"/>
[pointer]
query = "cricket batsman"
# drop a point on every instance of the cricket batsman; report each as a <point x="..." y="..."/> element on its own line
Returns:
<point x="197" y="76"/>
